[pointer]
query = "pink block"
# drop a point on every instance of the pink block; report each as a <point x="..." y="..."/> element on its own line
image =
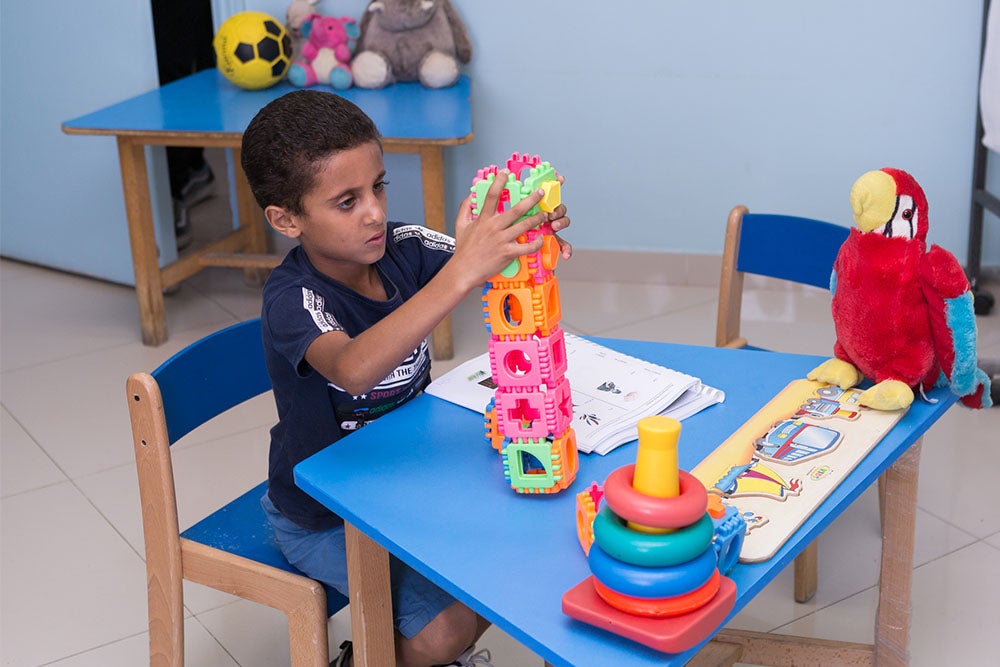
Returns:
<point x="529" y="362"/>
<point x="521" y="413"/>
<point x="516" y="363"/>
<point x="559" y="407"/>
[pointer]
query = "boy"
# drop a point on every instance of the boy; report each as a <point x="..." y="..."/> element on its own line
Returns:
<point x="345" y="320"/>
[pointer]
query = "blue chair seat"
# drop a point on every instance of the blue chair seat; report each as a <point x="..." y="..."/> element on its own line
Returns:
<point x="242" y="528"/>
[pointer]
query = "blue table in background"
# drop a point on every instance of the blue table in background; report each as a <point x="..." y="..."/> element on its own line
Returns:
<point x="423" y="484"/>
<point x="206" y="110"/>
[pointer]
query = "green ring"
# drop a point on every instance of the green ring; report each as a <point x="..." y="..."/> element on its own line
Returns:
<point x="651" y="549"/>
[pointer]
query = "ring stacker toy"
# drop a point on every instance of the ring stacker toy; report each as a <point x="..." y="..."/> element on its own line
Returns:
<point x="529" y="419"/>
<point x="657" y="548"/>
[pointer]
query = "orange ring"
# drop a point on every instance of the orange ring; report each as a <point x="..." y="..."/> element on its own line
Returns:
<point x="676" y="512"/>
<point x="663" y="607"/>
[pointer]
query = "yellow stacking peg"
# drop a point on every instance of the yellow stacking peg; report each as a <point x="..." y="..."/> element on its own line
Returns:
<point x="656" y="465"/>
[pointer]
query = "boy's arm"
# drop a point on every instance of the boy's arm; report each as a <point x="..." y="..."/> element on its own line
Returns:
<point x="483" y="249"/>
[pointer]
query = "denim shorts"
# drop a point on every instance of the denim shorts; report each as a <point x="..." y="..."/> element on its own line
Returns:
<point x="322" y="555"/>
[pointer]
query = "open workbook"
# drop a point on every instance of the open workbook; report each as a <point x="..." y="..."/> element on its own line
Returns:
<point x="612" y="391"/>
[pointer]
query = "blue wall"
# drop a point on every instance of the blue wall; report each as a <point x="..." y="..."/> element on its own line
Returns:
<point x="61" y="196"/>
<point x="662" y="115"/>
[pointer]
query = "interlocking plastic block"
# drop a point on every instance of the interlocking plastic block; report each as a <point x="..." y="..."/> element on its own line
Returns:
<point x="538" y="175"/>
<point x="541" y="465"/>
<point x="533" y="268"/>
<point x="552" y="197"/>
<point x="546" y="308"/>
<point x="670" y="635"/>
<point x="529" y="361"/>
<point x="558" y="406"/>
<point x="565" y="450"/>
<point x="587" y="503"/>
<point x="516" y="274"/>
<point x="509" y="311"/>
<point x="525" y="412"/>
<point x="493" y="433"/>
<point x="517" y="163"/>
<point x="521" y="413"/>
<point x="530" y="309"/>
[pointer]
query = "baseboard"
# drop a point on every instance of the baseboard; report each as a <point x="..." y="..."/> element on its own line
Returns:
<point x="659" y="268"/>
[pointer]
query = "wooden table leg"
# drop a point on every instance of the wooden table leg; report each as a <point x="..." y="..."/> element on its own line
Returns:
<point x="251" y="217"/>
<point x="371" y="601"/>
<point x="432" y="174"/>
<point x="142" y="239"/>
<point x="892" y="620"/>
<point x="806" y="566"/>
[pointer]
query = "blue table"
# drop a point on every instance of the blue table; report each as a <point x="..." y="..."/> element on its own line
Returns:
<point x="423" y="484"/>
<point x="205" y="109"/>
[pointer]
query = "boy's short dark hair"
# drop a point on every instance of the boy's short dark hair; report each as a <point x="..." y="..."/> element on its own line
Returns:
<point x="287" y="138"/>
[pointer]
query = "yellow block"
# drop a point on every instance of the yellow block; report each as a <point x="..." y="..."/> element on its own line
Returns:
<point x="552" y="197"/>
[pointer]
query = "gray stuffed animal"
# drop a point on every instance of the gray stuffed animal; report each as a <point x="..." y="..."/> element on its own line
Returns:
<point x="410" y="40"/>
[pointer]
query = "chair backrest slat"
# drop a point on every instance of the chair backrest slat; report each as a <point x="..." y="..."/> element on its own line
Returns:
<point x="790" y="248"/>
<point x="211" y="376"/>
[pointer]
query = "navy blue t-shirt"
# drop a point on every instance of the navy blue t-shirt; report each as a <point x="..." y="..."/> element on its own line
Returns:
<point x="300" y="304"/>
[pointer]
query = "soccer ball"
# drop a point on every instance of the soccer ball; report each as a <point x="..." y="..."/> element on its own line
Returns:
<point x="253" y="50"/>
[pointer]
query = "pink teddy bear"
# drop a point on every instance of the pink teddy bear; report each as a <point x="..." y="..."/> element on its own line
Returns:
<point x="326" y="56"/>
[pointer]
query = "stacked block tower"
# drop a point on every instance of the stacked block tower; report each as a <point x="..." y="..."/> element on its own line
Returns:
<point x="529" y="419"/>
<point x="657" y="559"/>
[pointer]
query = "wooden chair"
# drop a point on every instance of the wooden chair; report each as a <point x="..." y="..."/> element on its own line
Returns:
<point x="233" y="549"/>
<point x="801" y="250"/>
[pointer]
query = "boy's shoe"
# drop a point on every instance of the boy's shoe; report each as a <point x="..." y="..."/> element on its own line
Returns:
<point x="346" y="656"/>
<point x="196" y="189"/>
<point x="472" y="658"/>
<point x="182" y="225"/>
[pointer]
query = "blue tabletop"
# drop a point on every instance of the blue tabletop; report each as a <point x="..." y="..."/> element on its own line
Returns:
<point x="423" y="482"/>
<point x="208" y="102"/>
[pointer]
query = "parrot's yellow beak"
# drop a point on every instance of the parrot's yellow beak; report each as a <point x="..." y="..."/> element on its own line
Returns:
<point x="873" y="200"/>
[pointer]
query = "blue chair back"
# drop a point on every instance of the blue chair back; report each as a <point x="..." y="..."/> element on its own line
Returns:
<point x="790" y="248"/>
<point x="212" y="375"/>
<point x="200" y="382"/>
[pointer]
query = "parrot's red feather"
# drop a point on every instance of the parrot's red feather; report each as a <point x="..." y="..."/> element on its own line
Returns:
<point x="879" y="309"/>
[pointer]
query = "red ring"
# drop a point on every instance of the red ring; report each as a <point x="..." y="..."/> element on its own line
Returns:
<point x="663" y="607"/>
<point x="677" y="512"/>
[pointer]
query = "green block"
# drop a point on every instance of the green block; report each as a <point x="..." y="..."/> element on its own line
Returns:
<point x="528" y="464"/>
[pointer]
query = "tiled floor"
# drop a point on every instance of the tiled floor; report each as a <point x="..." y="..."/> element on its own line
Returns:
<point x="73" y="583"/>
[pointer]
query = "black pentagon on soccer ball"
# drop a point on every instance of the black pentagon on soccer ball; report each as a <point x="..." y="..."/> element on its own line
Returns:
<point x="278" y="68"/>
<point x="272" y="28"/>
<point x="244" y="53"/>
<point x="268" y="49"/>
<point x="286" y="44"/>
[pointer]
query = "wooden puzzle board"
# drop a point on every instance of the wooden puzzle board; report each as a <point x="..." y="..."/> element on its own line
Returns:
<point x="786" y="459"/>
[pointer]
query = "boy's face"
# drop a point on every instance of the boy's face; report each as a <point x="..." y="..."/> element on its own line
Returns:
<point x="343" y="223"/>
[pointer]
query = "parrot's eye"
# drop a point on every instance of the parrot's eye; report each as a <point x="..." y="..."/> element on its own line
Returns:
<point x="908" y="214"/>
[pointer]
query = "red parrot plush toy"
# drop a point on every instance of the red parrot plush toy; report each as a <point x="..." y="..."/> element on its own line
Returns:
<point x="903" y="313"/>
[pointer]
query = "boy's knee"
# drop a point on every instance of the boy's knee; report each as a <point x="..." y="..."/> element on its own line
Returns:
<point x="445" y="637"/>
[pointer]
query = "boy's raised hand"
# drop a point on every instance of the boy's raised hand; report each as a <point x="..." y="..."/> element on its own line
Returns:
<point x="486" y="245"/>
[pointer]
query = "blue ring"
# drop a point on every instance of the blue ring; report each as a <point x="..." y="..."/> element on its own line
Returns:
<point x="651" y="549"/>
<point x="651" y="582"/>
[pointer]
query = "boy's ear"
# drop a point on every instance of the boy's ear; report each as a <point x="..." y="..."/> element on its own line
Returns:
<point x="282" y="221"/>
